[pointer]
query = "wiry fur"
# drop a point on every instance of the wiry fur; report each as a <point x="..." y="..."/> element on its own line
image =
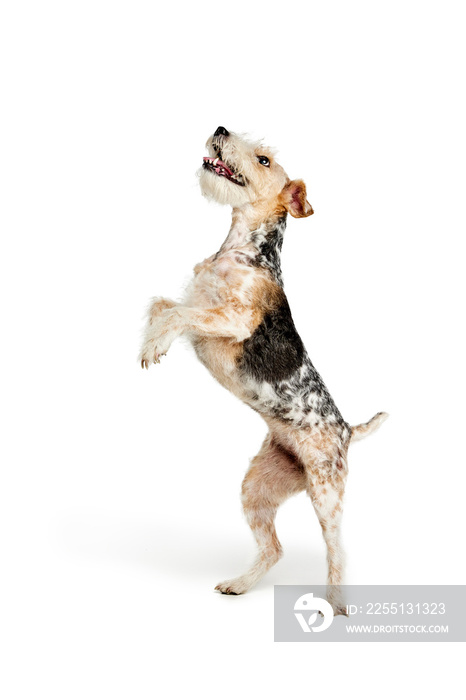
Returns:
<point x="237" y="317"/>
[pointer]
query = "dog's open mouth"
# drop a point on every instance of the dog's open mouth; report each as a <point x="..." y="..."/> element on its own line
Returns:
<point x="219" y="167"/>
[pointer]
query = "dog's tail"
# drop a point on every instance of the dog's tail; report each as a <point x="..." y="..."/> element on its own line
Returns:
<point x="358" y="432"/>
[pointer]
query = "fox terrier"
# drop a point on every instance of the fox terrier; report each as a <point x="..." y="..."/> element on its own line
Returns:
<point x="236" y="315"/>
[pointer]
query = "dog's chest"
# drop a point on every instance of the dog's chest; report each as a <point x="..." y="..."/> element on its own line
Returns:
<point x="221" y="280"/>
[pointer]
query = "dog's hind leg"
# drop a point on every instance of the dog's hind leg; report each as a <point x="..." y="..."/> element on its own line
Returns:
<point x="326" y="485"/>
<point x="274" y="475"/>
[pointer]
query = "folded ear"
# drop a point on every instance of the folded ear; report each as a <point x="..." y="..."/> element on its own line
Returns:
<point x="294" y="199"/>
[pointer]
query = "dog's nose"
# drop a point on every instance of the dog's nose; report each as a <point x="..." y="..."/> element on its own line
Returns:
<point x="221" y="131"/>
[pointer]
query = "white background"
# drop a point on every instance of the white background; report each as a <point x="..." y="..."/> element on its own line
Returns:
<point x="120" y="497"/>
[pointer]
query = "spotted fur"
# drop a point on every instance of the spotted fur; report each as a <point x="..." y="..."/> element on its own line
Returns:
<point x="237" y="317"/>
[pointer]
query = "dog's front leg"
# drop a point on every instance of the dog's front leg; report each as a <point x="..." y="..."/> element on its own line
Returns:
<point x="157" y="338"/>
<point x="164" y="327"/>
<point x="157" y="306"/>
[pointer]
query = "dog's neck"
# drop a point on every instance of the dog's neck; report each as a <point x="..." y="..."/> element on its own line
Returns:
<point x="259" y="240"/>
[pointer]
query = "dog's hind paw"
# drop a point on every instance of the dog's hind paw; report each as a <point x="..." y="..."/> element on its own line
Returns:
<point x="340" y="610"/>
<point x="235" y="586"/>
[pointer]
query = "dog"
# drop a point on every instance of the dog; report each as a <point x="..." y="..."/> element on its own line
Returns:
<point x="236" y="315"/>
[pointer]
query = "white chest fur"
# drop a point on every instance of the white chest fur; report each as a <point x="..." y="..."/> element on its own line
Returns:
<point x="221" y="280"/>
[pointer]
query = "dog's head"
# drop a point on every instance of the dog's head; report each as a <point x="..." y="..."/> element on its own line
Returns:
<point x="240" y="172"/>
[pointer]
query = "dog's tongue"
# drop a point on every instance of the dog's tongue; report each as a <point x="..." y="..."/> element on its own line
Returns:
<point x="219" y="166"/>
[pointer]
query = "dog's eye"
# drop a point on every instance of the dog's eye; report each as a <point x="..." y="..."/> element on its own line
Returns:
<point x="263" y="160"/>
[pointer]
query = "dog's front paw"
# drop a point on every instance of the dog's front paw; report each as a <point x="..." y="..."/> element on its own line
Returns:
<point x="151" y="352"/>
<point x="146" y="360"/>
<point x="160" y="334"/>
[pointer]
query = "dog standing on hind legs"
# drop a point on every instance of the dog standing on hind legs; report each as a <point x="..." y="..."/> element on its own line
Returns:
<point x="236" y="315"/>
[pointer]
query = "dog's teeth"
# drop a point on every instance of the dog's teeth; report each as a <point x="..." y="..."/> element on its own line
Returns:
<point x="216" y="161"/>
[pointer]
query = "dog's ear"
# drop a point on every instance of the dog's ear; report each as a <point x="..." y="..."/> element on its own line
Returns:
<point x="294" y="199"/>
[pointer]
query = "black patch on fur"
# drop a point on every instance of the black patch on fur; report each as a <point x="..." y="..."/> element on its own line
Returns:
<point x="269" y="249"/>
<point x="274" y="351"/>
